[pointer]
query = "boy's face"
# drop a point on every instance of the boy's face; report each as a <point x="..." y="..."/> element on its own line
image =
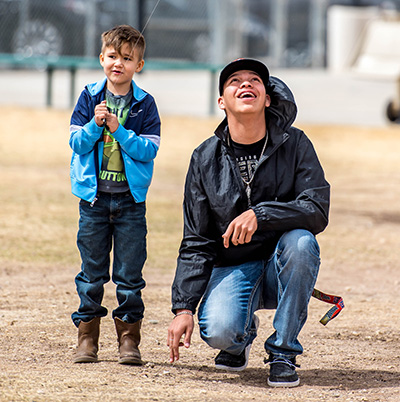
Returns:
<point x="120" y="68"/>
<point x="244" y="92"/>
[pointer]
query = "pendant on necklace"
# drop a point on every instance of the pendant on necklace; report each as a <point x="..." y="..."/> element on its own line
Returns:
<point x="248" y="193"/>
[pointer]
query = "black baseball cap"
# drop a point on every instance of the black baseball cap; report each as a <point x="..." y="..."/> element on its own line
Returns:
<point x="243" y="64"/>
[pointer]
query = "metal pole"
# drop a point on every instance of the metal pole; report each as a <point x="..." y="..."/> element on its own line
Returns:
<point x="213" y="85"/>
<point x="317" y="33"/>
<point x="216" y="26"/>
<point x="234" y="15"/>
<point x="141" y="15"/>
<point x="90" y="28"/>
<point x="217" y="30"/>
<point x="278" y="42"/>
<point x="23" y="13"/>
<point x="72" y="86"/>
<point x="132" y="13"/>
<point x="49" y="91"/>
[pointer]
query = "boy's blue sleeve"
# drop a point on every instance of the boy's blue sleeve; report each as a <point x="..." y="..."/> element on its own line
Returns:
<point x="143" y="145"/>
<point x="84" y="132"/>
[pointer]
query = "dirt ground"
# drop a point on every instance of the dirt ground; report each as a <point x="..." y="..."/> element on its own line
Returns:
<point x="356" y="357"/>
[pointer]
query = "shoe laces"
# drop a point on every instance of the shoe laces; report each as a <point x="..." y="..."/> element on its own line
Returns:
<point x="275" y="360"/>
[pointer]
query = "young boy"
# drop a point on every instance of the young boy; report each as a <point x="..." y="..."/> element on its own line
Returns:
<point x="115" y="136"/>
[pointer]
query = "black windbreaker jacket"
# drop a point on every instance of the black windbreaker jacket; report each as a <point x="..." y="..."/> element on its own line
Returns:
<point x="289" y="191"/>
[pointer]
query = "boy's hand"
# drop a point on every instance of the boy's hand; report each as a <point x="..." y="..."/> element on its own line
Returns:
<point x="100" y="113"/>
<point x="112" y="122"/>
<point x="102" y="116"/>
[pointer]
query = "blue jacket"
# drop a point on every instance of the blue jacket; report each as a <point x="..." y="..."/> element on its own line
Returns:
<point x="139" y="139"/>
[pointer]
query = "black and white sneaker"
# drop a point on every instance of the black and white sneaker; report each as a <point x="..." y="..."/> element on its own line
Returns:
<point x="227" y="361"/>
<point x="282" y="372"/>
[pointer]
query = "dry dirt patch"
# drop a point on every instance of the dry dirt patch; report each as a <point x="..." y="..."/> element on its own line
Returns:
<point x="354" y="358"/>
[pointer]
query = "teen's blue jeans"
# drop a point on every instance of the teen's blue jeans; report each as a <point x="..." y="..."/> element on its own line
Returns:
<point x="113" y="221"/>
<point x="285" y="282"/>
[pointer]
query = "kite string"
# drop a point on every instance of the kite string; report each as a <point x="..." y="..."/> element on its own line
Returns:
<point x="143" y="29"/>
<point x="150" y="16"/>
<point x="145" y="26"/>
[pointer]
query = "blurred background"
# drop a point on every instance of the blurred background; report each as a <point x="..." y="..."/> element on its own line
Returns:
<point x="318" y="45"/>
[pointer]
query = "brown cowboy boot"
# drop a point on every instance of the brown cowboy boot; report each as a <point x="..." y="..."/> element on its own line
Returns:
<point x="88" y="341"/>
<point x="128" y="342"/>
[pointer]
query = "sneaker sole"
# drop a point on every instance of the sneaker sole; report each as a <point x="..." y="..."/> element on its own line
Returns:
<point x="241" y="368"/>
<point x="284" y="384"/>
<point x="247" y="353"/>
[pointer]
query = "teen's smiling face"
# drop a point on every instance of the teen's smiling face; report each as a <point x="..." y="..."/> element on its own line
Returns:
<point x="120" y="68"/>
<point x="244" y="92"/>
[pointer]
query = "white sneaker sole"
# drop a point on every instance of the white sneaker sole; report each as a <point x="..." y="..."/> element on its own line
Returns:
<point x="247" y="353"/>
<point x="241" y="368"/>
<point x="283" y="384"/>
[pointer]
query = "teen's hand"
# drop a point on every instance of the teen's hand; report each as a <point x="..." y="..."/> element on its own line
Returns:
<point x="180" y="325"/>
<point x="241" y="229"/>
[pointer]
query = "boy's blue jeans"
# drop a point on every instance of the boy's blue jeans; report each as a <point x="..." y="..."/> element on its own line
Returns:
<point x="114" y="221"/>
<point x="285" y="282"/>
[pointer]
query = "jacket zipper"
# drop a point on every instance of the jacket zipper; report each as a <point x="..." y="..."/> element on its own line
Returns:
<point x="262" y="160"/>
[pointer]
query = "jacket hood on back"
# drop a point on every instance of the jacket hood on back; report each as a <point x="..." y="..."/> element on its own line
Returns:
<point x="288" y="191"/>
<point x="283" y="109"/>
<point x="281" y="113"/>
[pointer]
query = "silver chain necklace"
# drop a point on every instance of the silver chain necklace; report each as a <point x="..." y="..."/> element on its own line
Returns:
<point x="252" y="174"/>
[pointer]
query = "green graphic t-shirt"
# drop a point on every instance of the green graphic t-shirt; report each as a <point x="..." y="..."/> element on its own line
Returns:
<point x="112" y="177"/>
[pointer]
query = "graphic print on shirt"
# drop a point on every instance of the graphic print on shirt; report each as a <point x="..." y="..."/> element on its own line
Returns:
<point x="247" y="165"/>
<point x="112" y="174"/>
<point x="247" y="157"/>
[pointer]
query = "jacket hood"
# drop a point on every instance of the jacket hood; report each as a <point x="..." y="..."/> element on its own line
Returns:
<point x="95" y="88"/>
<point x="281" y="113"/>
<point x="283" y="109"/>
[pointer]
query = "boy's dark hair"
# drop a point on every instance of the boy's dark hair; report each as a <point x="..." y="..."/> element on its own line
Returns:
<point x="121" y="34"/>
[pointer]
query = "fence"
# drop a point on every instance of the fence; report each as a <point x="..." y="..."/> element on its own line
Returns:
<point x="287" y="33"/>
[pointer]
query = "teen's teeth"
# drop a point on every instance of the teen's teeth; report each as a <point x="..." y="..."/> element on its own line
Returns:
<point x="247" y="95"/>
